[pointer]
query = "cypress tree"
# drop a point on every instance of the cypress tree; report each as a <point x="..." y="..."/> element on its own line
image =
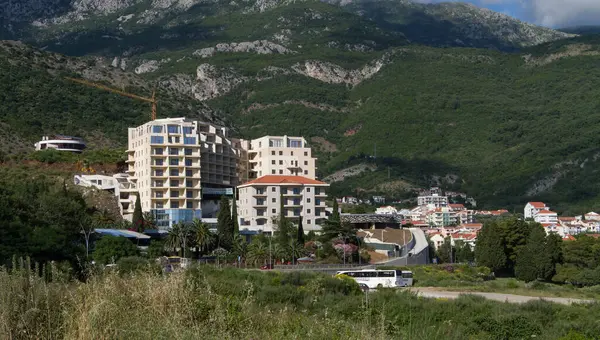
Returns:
<point x="533" y="261"/>
<point x="300" y="232"/>
<point x="234" y="216"/>
<point x="282" y="225"/>
<point x="225" y="225"/>
<point x="335" y="214"/>
<point x="138" y="216"/>
<point x="489" y="249"/>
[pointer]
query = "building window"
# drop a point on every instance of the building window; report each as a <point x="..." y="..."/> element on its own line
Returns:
<point x="189" y="194"/>
<point x="307" y="189"/>
<point x="273" y="172"/>
<point x="306" y="153"/>
<point x="158" y="162"/>
<point x="308" y="211"/>
<point x="272" y="153"/>
<point x="276" y="143"/>
<point x="188" y="152"/>
<point x="273" y="162"/>
<point x="190" y="205"/>
<point x="189" y="183"/>
<point x="317" y="201"/>
<point x="173" y="161"/>
<point x="306" y="172"/>
<point x="157" y="139"/>
<point x="174" y="193"/>
<point x="280" y="153"/>
<point x="308" y="200"/>
<point x="280" y="162"/>
<point x="158" y="151"/>
<point x="273" y="189"/>
<point x="174" y="172"/>
<point x="187" y="130"/>
<point x="305" y="162"/>
<point x="158" y="194"/>
<point x="189" y="140"/>
<point x="173" y="128"/>
<point x="159" y="205"/>
<point x="291" y="153"/>
<point x="273" y="200"/>
<point x="188" y="162"/>
<point x="273" y="211"/>
<point x="294" y="143"/>
<point x="307" y="221"/>
<point x="157" y="129"/>
<point x="281" y="172"/>
<point x="188" y="173"/>
<point x="174" y="183"/>
<point x="174" y="205"/>
<point x="174" y="151"/>
<point x="158" y="184"/>
<point x="158" y="173"/>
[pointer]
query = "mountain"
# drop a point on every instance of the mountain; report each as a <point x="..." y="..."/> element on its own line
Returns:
<point x="582" y="30"/>
<point x="386" y="91"/>
<point x="452" y="24"/>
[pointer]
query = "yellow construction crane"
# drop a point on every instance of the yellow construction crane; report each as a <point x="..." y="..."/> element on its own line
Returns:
<point x="151" y="100"/>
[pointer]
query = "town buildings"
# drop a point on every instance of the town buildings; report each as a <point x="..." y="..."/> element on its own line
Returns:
<point x="61" y="143"/>
<point x="259" y="202"/>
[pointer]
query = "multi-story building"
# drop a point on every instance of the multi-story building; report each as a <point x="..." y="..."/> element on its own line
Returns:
<point x="164" y="163"/>
<point x="61" y="143"/>
<point x="532" y="208"/>
<point x="119" y="184"/>
<point x="259" y="202"/>
<point x="282" y="156"/>
<point x="435" y="199"/>
<point x="442" y="217"/>
<point x="546" y="216"/>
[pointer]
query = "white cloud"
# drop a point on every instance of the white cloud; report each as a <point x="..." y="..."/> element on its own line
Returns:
<point x="551" y="13"/>
<point x="561" y="13"/>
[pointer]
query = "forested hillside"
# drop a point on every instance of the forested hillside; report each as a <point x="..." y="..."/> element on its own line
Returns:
<point x="503" y="127"/>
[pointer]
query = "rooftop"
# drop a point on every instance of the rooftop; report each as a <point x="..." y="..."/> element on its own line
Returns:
<point x="538" y="205"/>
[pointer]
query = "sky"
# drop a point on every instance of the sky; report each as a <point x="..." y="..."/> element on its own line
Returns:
<point x="549" y="13"/>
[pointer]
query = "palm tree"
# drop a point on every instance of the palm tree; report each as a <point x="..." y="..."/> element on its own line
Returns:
<point x="203" y="237"/>
<point x="258" y="252"/>
<point x="280" y="253"/>
<point x="103" y="218"/>
<point x="295" y="250"/>
<point x="240" y="246"/>
<point x="179" y="237"/>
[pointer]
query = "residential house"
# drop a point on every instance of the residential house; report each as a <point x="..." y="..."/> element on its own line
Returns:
<point x="532" y="208"/>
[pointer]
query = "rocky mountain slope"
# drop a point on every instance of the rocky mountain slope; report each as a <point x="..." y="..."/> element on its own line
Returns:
<point x="350" y="76"/>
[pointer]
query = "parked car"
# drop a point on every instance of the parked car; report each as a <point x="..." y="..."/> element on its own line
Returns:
<point x="266" y="267"/>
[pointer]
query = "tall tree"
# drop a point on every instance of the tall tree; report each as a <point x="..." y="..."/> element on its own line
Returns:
<point x="203" y="237"/>
<point x="445" y="252"/>
<point x="335" y="214"/>
<point x="225" y="225"/>
<point x="533" y="261"/>
<point x="234" y="215"/>
<point x="514" y="234"/>
<point x="300" y="238"/>
<point x="283" y="224"/>
<point x="489" y="248"/>
<point x="554" y="247"/>
<point x="138" y="216"/>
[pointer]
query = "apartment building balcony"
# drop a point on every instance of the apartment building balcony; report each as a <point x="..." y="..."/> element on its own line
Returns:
<point x="321" y="194"/>
<point x="260" y="194"/>
<point x="292" y="193"/>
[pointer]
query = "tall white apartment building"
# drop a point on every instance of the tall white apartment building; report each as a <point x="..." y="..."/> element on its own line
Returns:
<point x="532" y="208"/>
<point x="435" y="199"/>
<point x="180" y="166"/>
<point x="280" y="156"/>
<point x="259" y="202"/>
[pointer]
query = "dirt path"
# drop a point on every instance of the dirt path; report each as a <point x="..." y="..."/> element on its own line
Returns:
<point x="432" y="292"/>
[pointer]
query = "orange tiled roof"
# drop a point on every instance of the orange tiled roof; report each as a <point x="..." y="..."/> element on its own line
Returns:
<point x="538" y="205"/>
<point x="546" y="212"/>
<point x="280" y="179"/>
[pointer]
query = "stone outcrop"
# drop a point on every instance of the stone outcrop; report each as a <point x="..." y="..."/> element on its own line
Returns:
<point x="258" y="47"/>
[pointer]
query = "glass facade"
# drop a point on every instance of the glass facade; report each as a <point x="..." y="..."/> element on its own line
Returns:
<point x="165" y="218"/>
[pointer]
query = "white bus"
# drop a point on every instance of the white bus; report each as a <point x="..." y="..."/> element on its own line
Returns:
<point x="380" y="278"/>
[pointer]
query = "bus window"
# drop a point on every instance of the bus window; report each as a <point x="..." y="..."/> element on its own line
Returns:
<point x="407" y="275"/>
<point x="387" y="273"/>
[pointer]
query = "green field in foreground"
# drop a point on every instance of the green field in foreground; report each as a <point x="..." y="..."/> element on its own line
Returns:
<point x="210" y="303"/>
<point x="477" y="279"/>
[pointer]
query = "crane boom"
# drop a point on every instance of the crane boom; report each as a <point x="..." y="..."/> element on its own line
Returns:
<point x="151" y="100"/>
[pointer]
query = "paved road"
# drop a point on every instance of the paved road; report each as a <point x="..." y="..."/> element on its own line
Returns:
<point x="436" y="293"/>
